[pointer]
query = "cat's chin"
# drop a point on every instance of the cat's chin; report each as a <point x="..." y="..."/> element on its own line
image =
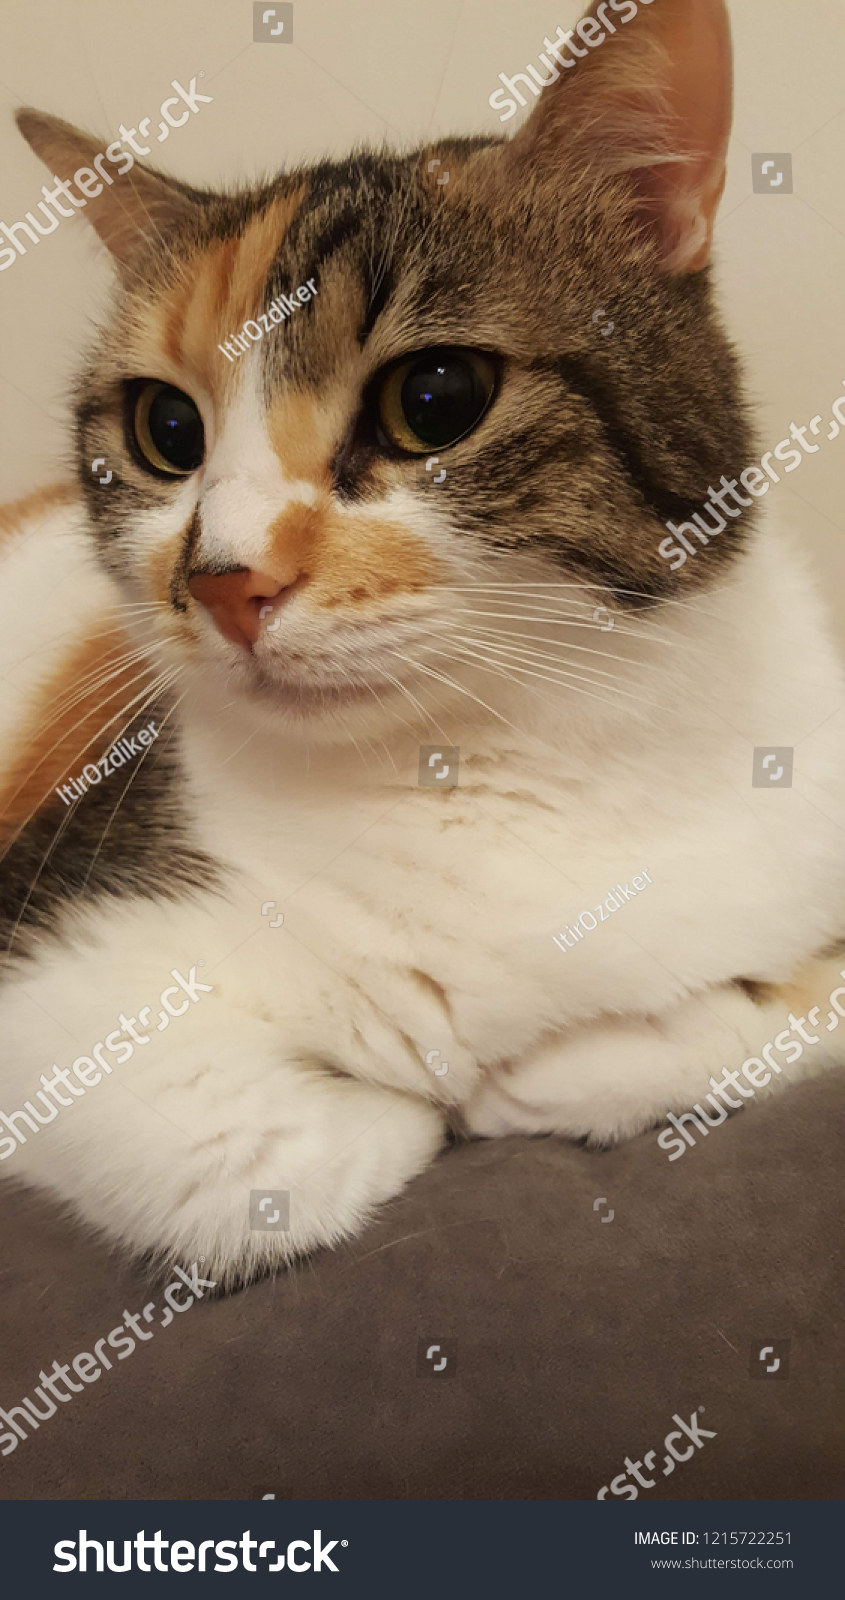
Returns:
<point x="308" y="700"/>
<point x="329" y="713"/>
<point x="326" y="711"/>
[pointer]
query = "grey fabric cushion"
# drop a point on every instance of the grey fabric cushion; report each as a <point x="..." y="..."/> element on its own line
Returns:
<point x="577" y="1339"/>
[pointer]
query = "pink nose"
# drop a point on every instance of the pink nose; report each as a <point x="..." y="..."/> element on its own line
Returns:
<point x="235" y="600"/>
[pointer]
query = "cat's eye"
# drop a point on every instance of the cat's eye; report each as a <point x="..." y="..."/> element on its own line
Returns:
<point x="168" y="429"/>
<point x="432" y="399"/>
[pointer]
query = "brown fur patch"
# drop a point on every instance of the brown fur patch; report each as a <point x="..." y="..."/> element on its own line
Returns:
<point x="73" y="717"/>
<point x="812" y="983"/>
<point x="760" y="993"/>
<point x="450" y="165"/>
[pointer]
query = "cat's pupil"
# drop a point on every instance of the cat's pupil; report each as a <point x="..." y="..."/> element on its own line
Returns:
<point x="176" y="429"/>
<point x="441" y="398"/>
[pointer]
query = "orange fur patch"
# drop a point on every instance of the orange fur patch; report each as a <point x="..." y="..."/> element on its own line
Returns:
<point x="217" y="291"/>
<point x="304" y="431"/>
<point x="810" y="986"/>
<point x="258" y="246"/>
<point x="73" y="718"/>
<point x="17" y="513"/>
<point x="347" y="558"/>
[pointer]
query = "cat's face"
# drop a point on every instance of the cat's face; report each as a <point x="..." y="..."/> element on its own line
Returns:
<point x="280" y="514"/>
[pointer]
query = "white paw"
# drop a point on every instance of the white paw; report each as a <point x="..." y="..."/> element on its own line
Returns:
<point x="491" y="1113"/>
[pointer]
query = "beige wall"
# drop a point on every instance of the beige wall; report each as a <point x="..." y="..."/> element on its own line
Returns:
<point x="396" y="69"/>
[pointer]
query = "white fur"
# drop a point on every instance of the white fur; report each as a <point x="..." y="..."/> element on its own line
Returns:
<point x="248" y="490"/>
<point x="418" y="920"/>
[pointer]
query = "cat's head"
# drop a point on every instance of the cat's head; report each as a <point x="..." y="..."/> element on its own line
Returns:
<point x="443" y="454"/>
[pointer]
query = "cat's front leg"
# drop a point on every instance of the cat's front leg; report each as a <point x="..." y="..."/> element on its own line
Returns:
<point x="615" y="1076"/>
<point x="167" y="1153"/>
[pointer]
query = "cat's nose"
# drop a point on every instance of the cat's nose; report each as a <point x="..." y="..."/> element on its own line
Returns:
<point x="238" y="601"/>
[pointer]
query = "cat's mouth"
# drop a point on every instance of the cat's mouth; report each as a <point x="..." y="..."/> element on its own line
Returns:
<point x="361" y="665"/>
<point x="316" y="669"/>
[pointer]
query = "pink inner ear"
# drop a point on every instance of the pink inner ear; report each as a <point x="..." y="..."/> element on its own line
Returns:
<point x="699" y="101"/>
<point x="659" y="87"/>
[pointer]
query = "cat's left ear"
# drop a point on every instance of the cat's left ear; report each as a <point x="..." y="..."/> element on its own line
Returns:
<point x="132" y="204"/>
<point x="646" y="90"/>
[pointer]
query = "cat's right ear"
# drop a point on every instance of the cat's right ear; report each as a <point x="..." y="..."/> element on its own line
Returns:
<point x="647" y="93"/>
<point x="134" y="201"/>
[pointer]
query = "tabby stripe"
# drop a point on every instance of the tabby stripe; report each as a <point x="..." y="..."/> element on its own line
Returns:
<point x="581" y="379"/>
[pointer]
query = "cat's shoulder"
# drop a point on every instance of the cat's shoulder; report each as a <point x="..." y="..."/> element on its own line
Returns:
<point x="44" y="537"/>
<point x="36" y="508"/>
<point x="54" y="596"/>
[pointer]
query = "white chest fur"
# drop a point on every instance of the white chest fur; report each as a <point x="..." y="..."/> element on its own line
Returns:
<point x="418" y="929"/>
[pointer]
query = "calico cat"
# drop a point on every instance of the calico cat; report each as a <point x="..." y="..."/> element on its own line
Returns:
<point x="278" y="578"/>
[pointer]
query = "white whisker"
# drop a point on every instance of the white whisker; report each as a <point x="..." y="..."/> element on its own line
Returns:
<point x="570" y="686"/>
<point x="426" y="715"/>
<point x="534" y="657"/>
<point x="453" y="685"/>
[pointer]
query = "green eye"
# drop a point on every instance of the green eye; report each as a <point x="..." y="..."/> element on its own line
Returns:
<point x="168" y="430"/>
<point x="433" y="399"/>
